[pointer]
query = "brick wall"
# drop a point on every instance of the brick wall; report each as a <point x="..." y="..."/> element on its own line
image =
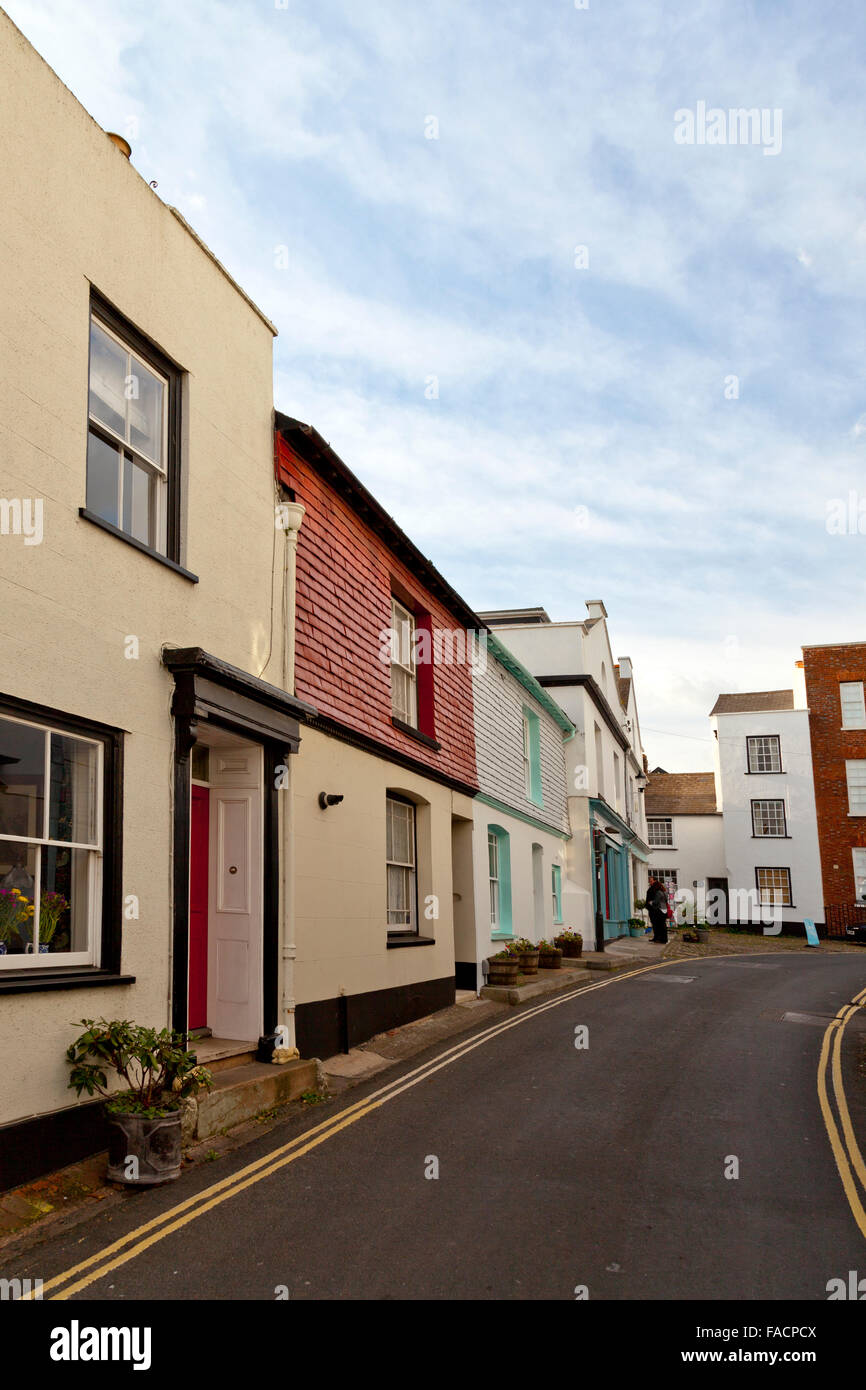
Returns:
<point x="499" y="703"/>
<point x="346" y="575"/>
<point x="838" y="833"/>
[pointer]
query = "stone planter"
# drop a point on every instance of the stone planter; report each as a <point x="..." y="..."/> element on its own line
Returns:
<point x="637" y="931"/>
<point x="153" y="1143"/>
<point x="528" y="963"/>
<point x="702" y="934"/>
<point x="503" y="972"/>
<point x="550" y="960"/>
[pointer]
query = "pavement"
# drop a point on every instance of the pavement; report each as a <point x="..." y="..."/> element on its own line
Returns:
<point x="588" y="1141"/>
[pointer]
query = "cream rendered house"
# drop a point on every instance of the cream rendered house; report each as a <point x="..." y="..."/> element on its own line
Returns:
<point x="146" y="732"/>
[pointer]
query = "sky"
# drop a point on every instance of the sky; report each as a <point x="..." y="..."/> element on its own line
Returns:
<point x="575" y="355"/>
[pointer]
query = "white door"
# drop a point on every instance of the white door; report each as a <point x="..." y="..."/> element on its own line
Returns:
<point x="235" y="935"/>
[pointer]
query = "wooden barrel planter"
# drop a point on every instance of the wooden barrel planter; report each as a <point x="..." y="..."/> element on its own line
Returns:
<point x="551" y="960"/>
<point x="503" y="972"/>
<point x="528" y="962"/>
<point x="571" y="949"/>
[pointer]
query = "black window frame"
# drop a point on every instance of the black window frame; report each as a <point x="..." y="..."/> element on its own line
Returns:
<point x="780" y="800"/>
<point x="110" y="927"/>
<point x="763" y="772"/>
<point x="153" y="356"/>
<point x="776" y="869"/>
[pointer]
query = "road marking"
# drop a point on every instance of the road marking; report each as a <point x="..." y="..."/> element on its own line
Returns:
<point x="96" y="1266"/>
<point x="849" y="1160"/>
<point x="195" y="1206"/>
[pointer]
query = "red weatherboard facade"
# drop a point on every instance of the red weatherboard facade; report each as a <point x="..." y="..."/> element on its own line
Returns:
<point x="838" y="833"/>
<point x="346" y="576"/>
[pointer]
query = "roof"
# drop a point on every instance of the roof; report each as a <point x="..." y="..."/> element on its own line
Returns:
<point x="680" y="794"/>
<point x="309" y="445"/>
<point x="753" y="702"/>
<point x="512" y="617"/>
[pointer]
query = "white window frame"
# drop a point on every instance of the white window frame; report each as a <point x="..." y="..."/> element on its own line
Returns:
<point x="768" y="817"/>
<point x="527" y="756"/>
<point x="764" y="747"/>
<point x="853" y="705"/>
<point x="556" y="893"/>
<point x="652" y="824"/>
<point x="403" y="659"/>
<point x="158" y="526"/>
<point x="855" y="777"/>
<point x="409" y="866"/>
<point x="858" y="857"/>
<point x="53" y="959"/>
<point x="774" y="887"/>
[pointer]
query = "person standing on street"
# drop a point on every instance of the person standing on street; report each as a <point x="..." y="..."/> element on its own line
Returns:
<point x="657" y="906"/>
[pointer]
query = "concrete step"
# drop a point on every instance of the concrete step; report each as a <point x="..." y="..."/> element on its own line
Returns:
<point x="222" y="1054"/>
<point x="241" y="1092"/>
<point x="545" y="982"/>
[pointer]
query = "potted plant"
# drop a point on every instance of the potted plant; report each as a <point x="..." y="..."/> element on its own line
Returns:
<point x="702" y="931"/>
<point x="528" y="956"/>
<point x="570" y="943"/>
<point x="549" y="957"/>
<point x="144" y="1120"/>
<point x="503" y="968"/>
<point x="51" y="908"/>
<point x="16" y="910"/>
<point x="636" y="927"/>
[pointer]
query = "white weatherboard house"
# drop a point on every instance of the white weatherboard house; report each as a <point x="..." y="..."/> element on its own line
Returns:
<point x="765" y="791"/>
<point x="685" y="832"/>
<point x="608" y="853"/>
<point x="521" y="827"/>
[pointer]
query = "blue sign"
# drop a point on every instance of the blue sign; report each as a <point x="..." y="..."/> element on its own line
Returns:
<point x="811" y="934"/>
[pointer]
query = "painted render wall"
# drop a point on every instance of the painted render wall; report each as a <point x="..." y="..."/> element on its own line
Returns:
<point x="794" y="785"/>
<point x="698" y="851"/>
<point x="75" y="211"/>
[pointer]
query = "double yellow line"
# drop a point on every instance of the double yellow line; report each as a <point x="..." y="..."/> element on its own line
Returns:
<point x="95" y="1267"/>
<point x="846" y="1150"/>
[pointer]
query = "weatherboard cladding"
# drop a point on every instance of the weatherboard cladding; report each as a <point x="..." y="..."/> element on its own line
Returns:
<point x="345" y="579"/>
<point x="499" y="703"/>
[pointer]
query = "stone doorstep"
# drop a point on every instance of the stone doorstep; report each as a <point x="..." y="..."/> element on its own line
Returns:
<point x="569" y="976"/>
<point x="242" y="1092"/>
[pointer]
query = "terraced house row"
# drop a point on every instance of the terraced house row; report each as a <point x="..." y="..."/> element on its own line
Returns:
<point x="265" y="777"/>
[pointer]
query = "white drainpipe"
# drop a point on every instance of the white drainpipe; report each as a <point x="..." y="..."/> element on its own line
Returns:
<point x="292" y="514"/>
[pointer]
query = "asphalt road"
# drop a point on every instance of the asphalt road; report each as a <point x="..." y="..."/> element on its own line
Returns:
<point x="558" y="1167"/>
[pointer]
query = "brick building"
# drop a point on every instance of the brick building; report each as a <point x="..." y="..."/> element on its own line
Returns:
<point x="387" y="645"/>
<point x="835" y="682"/>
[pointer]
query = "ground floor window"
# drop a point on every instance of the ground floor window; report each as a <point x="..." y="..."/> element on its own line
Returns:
<point x="774" y="886"/>
<point x="401" y="866"/>
<point x="667" y="878"/>
<point x="499" y="879"/>
<point x="859" y="875"/>
<point x="556" y="886"/>
<point x="56" y="792"/>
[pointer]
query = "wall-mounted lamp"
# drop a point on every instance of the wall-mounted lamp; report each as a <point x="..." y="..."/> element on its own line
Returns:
<point x="327" y="799"/>
<point x="641" y="780"/>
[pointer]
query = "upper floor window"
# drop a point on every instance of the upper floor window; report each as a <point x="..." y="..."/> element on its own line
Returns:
<point x="400" y="860"/>
<point x="599" y="761"/>
<point x="532" y="756"/>
<point x="764" y="753"/>
<point x="853" y="706"/>
<point x="660" y="830"/>
<point x="133" y="406"/>
<point x="855" y="772"/>
<point x="404" y="682"/>
<point x="56" y="794"/>
<point x="768" y="819"/>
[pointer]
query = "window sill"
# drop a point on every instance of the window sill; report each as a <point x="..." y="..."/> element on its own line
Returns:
<point x="856" y="815"/>
<point x="775" y="772"/>
<point x="415" y="733"/>
<point x="410" y="940"/>
<point x="502" y="936"/>
<point x="72" y="978"/>
<point x="772" y="837"/>
<point x="136" y="545"/>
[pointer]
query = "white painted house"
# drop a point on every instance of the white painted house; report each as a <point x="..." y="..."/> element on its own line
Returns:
<point x="685" y="832"/>
<point x="765" y="791"/>
<point x="608" y="853"/>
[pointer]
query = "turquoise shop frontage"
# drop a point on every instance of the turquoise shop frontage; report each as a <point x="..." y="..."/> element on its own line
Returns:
<point x="615" y="884"/>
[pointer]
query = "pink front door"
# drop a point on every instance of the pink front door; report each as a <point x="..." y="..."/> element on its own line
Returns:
<point x="198" y="906"/>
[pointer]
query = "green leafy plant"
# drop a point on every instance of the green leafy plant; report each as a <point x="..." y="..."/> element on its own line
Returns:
<point x="523" y="947"/>
<point x="157" y="1069"/>
<point x="545" y="949"/>
<point x="313" y="1097"/>
<point x="566" y="936"/>
<point x="507" y="954"/>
